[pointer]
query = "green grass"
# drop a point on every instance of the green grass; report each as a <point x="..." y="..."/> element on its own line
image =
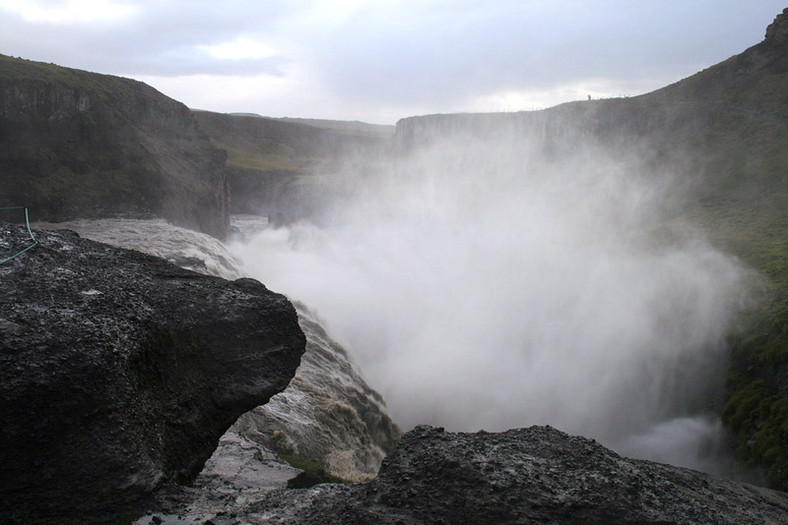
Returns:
<point x="743" y="206"/>
<point x="28" y="71"/>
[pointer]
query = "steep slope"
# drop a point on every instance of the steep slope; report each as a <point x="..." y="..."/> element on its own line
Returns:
<point x="724" y="134"/>
<point x="743" y="204"/>
<point x="78" y="144"/>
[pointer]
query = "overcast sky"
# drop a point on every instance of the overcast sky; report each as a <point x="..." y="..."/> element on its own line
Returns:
<point x="381" y="60"/>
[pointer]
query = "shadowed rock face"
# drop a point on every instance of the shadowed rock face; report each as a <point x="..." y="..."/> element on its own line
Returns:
<point x="119" y="372"/>
<point x="530" y="475"/>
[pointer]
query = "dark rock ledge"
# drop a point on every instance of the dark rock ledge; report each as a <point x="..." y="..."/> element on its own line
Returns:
<point x="119" y="372"/>
<point x="530" y="475"/>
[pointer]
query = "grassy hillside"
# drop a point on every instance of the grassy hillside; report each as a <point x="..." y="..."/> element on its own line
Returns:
<point x="743" y="203"/>
<point x="360" y="129"/>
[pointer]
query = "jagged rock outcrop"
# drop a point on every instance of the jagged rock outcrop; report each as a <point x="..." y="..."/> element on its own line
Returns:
<point x="75" y="144"/>
<point x="777" y="31"/>
<point x="119" y="372"/>
<point x="530" y="475"/>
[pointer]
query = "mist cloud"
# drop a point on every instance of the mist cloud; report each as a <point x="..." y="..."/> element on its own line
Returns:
<point x="493" y="284"/>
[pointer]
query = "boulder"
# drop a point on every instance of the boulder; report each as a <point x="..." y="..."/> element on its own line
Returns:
<point x="328" y="414"/>
<point x="119" y="372"/>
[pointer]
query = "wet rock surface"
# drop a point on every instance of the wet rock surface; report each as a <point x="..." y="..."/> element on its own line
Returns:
<point x="530" y="475"/>
<point x="328" y="413"/>
<point x="119" y="372"/>
<point x="239" y="472"/>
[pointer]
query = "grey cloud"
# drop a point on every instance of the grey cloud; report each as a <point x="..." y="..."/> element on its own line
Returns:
<point x="163" y="40"/>
<point x="441" y="55"/>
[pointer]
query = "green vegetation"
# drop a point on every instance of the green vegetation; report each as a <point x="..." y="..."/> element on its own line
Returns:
<point x="759" y="417"/>
<point x="107" y="87"/>
<point x="263" y="156"/>
<point x="261" y="144"/>
<point x="743" y="206"/>
<point x="276" y="166"/>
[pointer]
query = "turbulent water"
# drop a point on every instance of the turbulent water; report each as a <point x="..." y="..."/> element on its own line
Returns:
<point x="186" y="248"/>
<point x="492" y="284"/>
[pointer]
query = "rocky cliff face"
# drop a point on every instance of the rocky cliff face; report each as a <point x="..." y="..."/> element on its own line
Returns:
<point x="77" y="144"/>
<point x="777" y="31"/>
<point x="530" y="475"/>
<point x="119" y="372"/>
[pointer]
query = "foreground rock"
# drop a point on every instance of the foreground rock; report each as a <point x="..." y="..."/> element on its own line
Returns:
<point x="119" y="372"/>
<point x="532" y="475"/>
<point x="328" y="413"/>
<point x="239" y="472"/>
